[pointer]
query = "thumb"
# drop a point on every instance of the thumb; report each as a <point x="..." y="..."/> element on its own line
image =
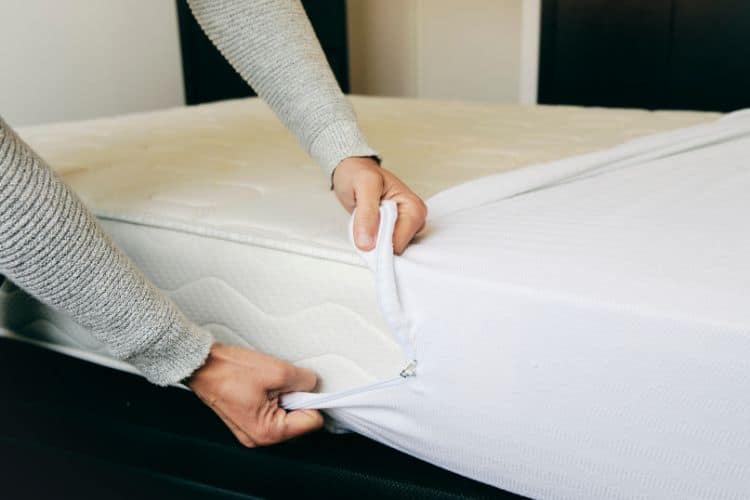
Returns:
<point x="367" y="215"/>
<point x="300" y="422"/>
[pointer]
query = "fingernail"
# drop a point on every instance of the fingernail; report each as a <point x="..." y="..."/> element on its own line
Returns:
<point x="364" y="240"/>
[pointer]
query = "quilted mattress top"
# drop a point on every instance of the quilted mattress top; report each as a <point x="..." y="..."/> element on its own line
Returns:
<point x="230" y="170"/>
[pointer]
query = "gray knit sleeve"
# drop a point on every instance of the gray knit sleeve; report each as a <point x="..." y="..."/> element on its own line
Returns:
<point x="53" y="248"/>
<point x="273" y="46"/>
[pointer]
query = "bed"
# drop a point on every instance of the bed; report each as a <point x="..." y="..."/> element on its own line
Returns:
<point x="224" y="213"/>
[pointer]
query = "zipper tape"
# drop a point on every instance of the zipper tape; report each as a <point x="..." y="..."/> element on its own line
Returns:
<point x="324" y="401"/>
<point x="381" y="261"/>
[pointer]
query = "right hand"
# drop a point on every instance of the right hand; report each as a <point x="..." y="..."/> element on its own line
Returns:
<point x="243" y="387"/>
<point x="359" y="182"/>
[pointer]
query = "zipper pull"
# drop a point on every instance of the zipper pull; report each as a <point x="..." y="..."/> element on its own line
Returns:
<point x="410" y="370"/>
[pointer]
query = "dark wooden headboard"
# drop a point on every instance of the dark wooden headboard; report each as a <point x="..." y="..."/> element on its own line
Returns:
<point x="209" y="77"/>
<point x="654" y="54"/>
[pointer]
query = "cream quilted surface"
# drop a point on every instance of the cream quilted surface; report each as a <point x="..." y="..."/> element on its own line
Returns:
<point x="221" y="208"/>
<point x="231" y="169"/>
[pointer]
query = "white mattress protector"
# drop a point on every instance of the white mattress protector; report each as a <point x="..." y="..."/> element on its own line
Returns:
<point x="580" y="329"/>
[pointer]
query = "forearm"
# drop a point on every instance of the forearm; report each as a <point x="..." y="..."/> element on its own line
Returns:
<point x="52" y="247"/>
<point x="273" y="46"/>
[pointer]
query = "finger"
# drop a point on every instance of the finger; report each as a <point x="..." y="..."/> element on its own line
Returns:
<point x="367" y="216"/>
<point x="296" y="379"/>
<point x="408" y="224"/>
<point x="300" y="422"/>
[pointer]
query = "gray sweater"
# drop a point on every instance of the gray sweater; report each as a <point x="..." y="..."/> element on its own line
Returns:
<point x="52" y="246"/>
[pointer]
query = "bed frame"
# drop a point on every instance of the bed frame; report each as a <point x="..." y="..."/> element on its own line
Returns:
<point x="79" y="430"/>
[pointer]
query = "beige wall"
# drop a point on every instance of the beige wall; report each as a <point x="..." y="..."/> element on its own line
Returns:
<point x="452" y="49"/>
<point x="71" y="59"/>
<point x="382" y="47"/>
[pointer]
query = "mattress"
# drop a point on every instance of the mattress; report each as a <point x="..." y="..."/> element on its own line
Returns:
<point x="222" y="210"/>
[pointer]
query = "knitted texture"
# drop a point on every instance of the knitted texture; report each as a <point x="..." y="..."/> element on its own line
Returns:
<point x="272" y="45"/>
<point x="53" y="247"/>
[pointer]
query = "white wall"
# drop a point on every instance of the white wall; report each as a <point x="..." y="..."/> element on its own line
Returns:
<point x="452" y="49"/>
<point x="73" y="59"/>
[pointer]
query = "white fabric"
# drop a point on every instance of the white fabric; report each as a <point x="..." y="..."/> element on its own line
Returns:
<point x="581" y="329"/>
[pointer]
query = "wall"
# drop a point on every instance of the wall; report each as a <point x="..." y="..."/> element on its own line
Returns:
<point x="382" y="47"/>
<point x="73" y="59"/>
<point x="452" y="49"/>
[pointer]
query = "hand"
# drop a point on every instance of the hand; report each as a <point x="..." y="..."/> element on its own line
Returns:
<point x="243" y="386"/>
<point x="360" y="183"/>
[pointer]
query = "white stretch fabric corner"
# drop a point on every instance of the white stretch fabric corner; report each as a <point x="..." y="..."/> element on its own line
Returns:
<point x="580" y="329"/>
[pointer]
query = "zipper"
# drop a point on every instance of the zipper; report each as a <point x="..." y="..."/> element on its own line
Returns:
<point x="380" y="261"/>
<point x="410" y="370"/>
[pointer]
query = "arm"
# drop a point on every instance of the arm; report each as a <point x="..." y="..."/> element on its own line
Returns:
<point x="53" y="248"/>
<point x="273" y="46"/>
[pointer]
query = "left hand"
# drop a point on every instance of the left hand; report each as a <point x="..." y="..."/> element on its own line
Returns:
<point x="359" y="182"/>
<point x="242" y="387"/>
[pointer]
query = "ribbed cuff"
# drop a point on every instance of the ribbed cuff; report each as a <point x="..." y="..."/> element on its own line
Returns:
<point x="176" y="355"/>
<point x="338" y="141"/>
